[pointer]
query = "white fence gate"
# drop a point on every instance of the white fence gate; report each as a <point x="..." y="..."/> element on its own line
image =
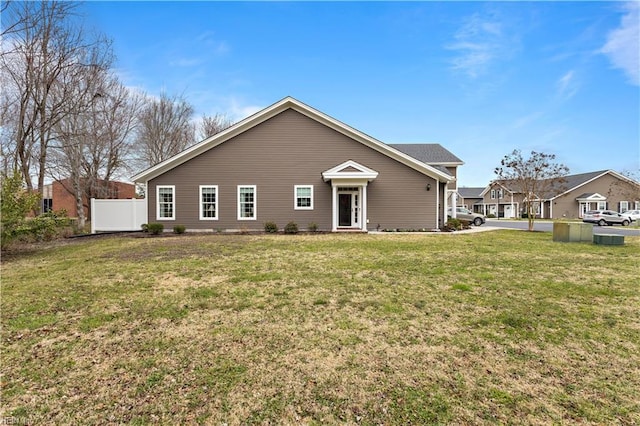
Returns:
<point x="117" y="215"/>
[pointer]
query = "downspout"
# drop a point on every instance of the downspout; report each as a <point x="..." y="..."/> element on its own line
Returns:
<point x="438" y="218"/>
<point x="513" y="214"/>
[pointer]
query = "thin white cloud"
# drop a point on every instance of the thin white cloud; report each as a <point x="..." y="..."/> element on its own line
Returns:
<point x="526" y="120"/>
<point x="477" y="44"/>
<point x="623" y="44"/>
<point x="237" y="110"/>
<point x="567" y="85"/>
<point x="212" y="44"/>
<point x="186" y="62"/>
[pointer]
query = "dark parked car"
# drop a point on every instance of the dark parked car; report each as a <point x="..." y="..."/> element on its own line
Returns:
<point x="606" y="217"/>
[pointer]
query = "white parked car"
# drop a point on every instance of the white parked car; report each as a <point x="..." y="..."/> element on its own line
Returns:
<point x="632" y="214"/>
<point x="606" y="217"/>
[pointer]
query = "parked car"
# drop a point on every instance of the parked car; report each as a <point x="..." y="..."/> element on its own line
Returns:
<point x="476" y="218"/>
<point x="632" y="214"/>
<point x="605" y="217"/>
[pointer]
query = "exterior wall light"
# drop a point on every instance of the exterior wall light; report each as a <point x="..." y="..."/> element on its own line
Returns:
<point x="428" y="187"/>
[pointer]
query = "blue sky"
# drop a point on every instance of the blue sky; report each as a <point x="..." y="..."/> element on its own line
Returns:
<point x="480" y="78"/>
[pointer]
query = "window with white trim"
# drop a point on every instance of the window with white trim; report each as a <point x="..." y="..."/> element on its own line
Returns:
<point x="165" y="202"/>
<point x="624" y="206"/>
<point x="493" y="194"/>
<point x="602" y="205"/>
<point x="303" y="197"/>
<point x="208" y="202"/>
<point x="247" y="202"/>
<point x="500" y="193"/>
<point x="636" y="205"/>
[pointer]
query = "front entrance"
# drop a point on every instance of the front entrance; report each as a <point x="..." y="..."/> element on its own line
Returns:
<point x="348" y="208"/>
<point x="508" y="211"/>
<point x="349" y="182"/>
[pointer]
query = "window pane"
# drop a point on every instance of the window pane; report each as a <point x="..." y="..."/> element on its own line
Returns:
<point x="304" y="202"/>
<point x="247" y="197"/>
<point x="165" y="202"/>
<point x="304" y="192"/>
<point x="208" y="202"/>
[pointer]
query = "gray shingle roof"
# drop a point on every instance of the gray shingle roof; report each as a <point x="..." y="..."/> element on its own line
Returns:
<point x="429" y="153"/>
<point x="470" y="192"/>
<point x="570" y="182"/>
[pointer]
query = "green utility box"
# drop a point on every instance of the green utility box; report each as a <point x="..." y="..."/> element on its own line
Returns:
<point x="609" y="239"/>
<point x="572" y="232"/>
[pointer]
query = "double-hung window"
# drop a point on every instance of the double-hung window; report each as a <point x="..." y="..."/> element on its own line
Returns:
<point x="165" y="202"/>
<point x="208" y="202"/>
<point x="493" y="194"/>
<point x="303" y="197"/>
<point x="247" y="202"/>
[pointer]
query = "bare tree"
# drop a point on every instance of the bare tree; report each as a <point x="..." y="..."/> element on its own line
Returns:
<point x="43" y="55"/>
<point x="95" y="143"/>
<point x="535" y="177"/>
<point x="628" y="188"/>
<point x="210" y="125"/>
<point x="165" y="129"/>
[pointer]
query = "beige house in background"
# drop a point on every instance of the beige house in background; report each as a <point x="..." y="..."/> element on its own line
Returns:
<point x="605" y="189"/>
<point x="291" y="162"/>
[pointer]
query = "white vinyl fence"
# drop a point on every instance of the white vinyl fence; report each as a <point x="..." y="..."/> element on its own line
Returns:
<point x="117" y="215"/>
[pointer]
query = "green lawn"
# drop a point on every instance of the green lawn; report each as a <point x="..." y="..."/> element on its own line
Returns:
<point x="495" y="327"/>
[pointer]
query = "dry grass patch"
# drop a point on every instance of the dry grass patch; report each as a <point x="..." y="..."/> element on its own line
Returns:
<point x="501" y="327"/>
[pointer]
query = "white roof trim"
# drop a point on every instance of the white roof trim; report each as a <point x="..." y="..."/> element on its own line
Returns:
<point x="337" y="172"/>
<point x="593" y="197"/>
<point x="274" y="110"/>
<point x="611" y="172"/>
<point x="489" y="187"/>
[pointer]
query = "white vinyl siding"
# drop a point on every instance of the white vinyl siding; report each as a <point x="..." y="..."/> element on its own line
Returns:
<point x="165" y="202"/>
<point x="303" y="197"/>
<point x="208" y="202"/>
<point x="247" y="202"/>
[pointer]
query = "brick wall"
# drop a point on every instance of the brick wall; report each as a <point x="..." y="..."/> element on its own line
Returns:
<point x="63" y="198"/>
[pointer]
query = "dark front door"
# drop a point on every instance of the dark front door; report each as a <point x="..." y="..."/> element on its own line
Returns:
<point x="344" y="211"/>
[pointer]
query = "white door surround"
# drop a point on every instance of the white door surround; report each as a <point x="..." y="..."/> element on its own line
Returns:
<point x="349" y="182"/>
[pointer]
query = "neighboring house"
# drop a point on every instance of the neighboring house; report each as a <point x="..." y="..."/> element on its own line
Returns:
<point x="59" y="196"/>
<point x="605" y="189"/>
<point x="291" y="162"/>
<point x="471" y="198"/>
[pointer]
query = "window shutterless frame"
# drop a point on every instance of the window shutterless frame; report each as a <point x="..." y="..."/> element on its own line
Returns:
<point x="165" y="202"/>
<point x="303" y="197"/>
<point x="208" y="201"/>
<point x="247" y="202"/>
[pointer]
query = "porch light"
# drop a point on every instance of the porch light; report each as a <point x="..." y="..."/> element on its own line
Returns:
<point x="428" y="187"/>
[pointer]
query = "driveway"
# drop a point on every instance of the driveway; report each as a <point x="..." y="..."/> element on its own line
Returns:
<point x="546" y="226"/>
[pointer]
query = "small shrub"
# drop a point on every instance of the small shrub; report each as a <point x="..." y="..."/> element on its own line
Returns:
<point x="466" y="224"/>
<point x="179" y="229"/>
<point x="491" y="216"/>
<point x="453" y="225"/>
<point x="291" y="228"/>
<point x="313" y="227"/>
<point x="155" y="228"/>
<point x="144" y="227"/>
<point x="270" y="227"/>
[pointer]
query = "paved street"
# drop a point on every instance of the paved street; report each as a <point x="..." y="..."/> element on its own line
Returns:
<point x="546" y="226"/>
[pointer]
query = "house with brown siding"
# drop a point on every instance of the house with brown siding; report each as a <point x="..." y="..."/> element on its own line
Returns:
<point x="604" y="189"/>
<point x="470" y="198"/>
<point x="291" y="162"/>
